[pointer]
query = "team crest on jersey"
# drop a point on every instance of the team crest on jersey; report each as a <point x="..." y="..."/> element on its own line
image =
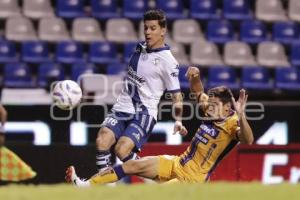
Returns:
<point x="156" y="61"/>
<point x="209" y="130"/>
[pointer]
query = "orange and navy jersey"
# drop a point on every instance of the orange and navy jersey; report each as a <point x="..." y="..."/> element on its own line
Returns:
<point x="212" y="141"/>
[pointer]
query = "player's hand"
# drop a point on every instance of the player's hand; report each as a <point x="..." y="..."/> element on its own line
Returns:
<point x="179" y="128"/>
<point x="192" y="72"/>
<point x="240" y="104"/>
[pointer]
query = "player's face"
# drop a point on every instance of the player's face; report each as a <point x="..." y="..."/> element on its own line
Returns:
<point x="154" y="34"/>
<point x="216" y="109"/>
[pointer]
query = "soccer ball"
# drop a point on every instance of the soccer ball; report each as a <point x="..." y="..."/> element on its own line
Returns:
<point x="66" y="94"/>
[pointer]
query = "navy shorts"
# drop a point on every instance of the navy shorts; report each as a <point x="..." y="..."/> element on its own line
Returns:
<point x="137" y="127"/>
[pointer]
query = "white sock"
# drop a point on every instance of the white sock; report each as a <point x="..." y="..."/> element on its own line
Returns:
<point x="80" y="183"/>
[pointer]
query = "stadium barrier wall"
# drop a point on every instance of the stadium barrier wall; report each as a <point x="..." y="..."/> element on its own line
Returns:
<point x="264" y="163"/>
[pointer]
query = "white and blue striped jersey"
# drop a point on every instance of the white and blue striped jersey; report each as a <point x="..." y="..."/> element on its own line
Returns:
<point x="150" y="73"/>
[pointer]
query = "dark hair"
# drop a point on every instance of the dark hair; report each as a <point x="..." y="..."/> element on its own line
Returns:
<point x="221" y="92"/>
<point x="156" y="14"/>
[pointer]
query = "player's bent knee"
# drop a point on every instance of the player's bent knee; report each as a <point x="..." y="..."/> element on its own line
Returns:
<point x="105" y="139"/>
<point x="122" y="151"/>
<point x="123" y="148"/>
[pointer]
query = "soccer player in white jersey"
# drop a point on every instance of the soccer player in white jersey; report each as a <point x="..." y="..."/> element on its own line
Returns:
<point x="152" y="70"/>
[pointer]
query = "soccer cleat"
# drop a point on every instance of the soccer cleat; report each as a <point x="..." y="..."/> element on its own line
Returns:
<point x="71" y="177"/>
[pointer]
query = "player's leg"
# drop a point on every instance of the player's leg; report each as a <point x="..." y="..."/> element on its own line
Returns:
<point x="146" y="167"/>
<point x="111" y="129"/>
<point x="104" y="141"/>
<point x="159" y="168"/>
<point x="123" y="149"/>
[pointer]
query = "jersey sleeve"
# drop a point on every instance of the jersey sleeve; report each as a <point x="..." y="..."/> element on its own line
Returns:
<point x="170" y="76"/>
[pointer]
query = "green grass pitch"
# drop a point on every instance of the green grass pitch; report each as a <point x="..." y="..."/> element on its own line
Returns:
<point x="211" y="191"/>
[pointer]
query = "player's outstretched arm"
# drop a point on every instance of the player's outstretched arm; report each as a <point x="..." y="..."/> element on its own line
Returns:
<point x="178" y="108"/>
<point x="193" y="75"/>
<point x="245" y="134"/>
<point x="196" y="86"/>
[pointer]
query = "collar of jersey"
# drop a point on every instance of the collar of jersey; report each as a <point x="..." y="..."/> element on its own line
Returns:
<point x="143" y="46"/>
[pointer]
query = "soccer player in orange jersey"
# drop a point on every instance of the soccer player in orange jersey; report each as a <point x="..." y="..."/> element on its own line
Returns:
<point x="220" y="130"/>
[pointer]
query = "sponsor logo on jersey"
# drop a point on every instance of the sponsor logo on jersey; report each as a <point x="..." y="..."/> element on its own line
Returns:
<point x="202" y="139"/>
<point x="134" y="78"/>
<point x="174" y="74"/>
<point x="140" y="131"/>
<point x="211" y="131"/>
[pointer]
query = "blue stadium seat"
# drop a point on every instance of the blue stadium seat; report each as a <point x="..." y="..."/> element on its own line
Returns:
<point x="220" y="31"/>
<point x="35" y="52"/>
<point x="7" y="52"/>
<point x="68" y="52"/>
<point x="222" y="75"/>
<point x="49" y="72"/>
<point x="80" y="68"/>
<point x="172" y="8"/>
<point x="103" y="52"/>
<point x="184" y="82"/>
<point x="253" y="31"/>
<point x="256" y="78"/>
<point x="134" y="9"/>
<point x="295" y="54"/>
<point x="285" y="32"/>
<point x="129" y="48"/>
<point x="103" y="9"/>
<point x="237" y="9"/>
<point x="204" y="9"/>
<point x="116" y="68"/>
<point x="70" y="8"/>
<point x="287" y="78"/>
<point x="18" y="75"/>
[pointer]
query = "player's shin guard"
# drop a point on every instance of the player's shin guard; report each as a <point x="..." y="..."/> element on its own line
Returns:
<point x="103" y="160"/>
<point x="108" y="176"/>
<point x="131" y="156"/>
